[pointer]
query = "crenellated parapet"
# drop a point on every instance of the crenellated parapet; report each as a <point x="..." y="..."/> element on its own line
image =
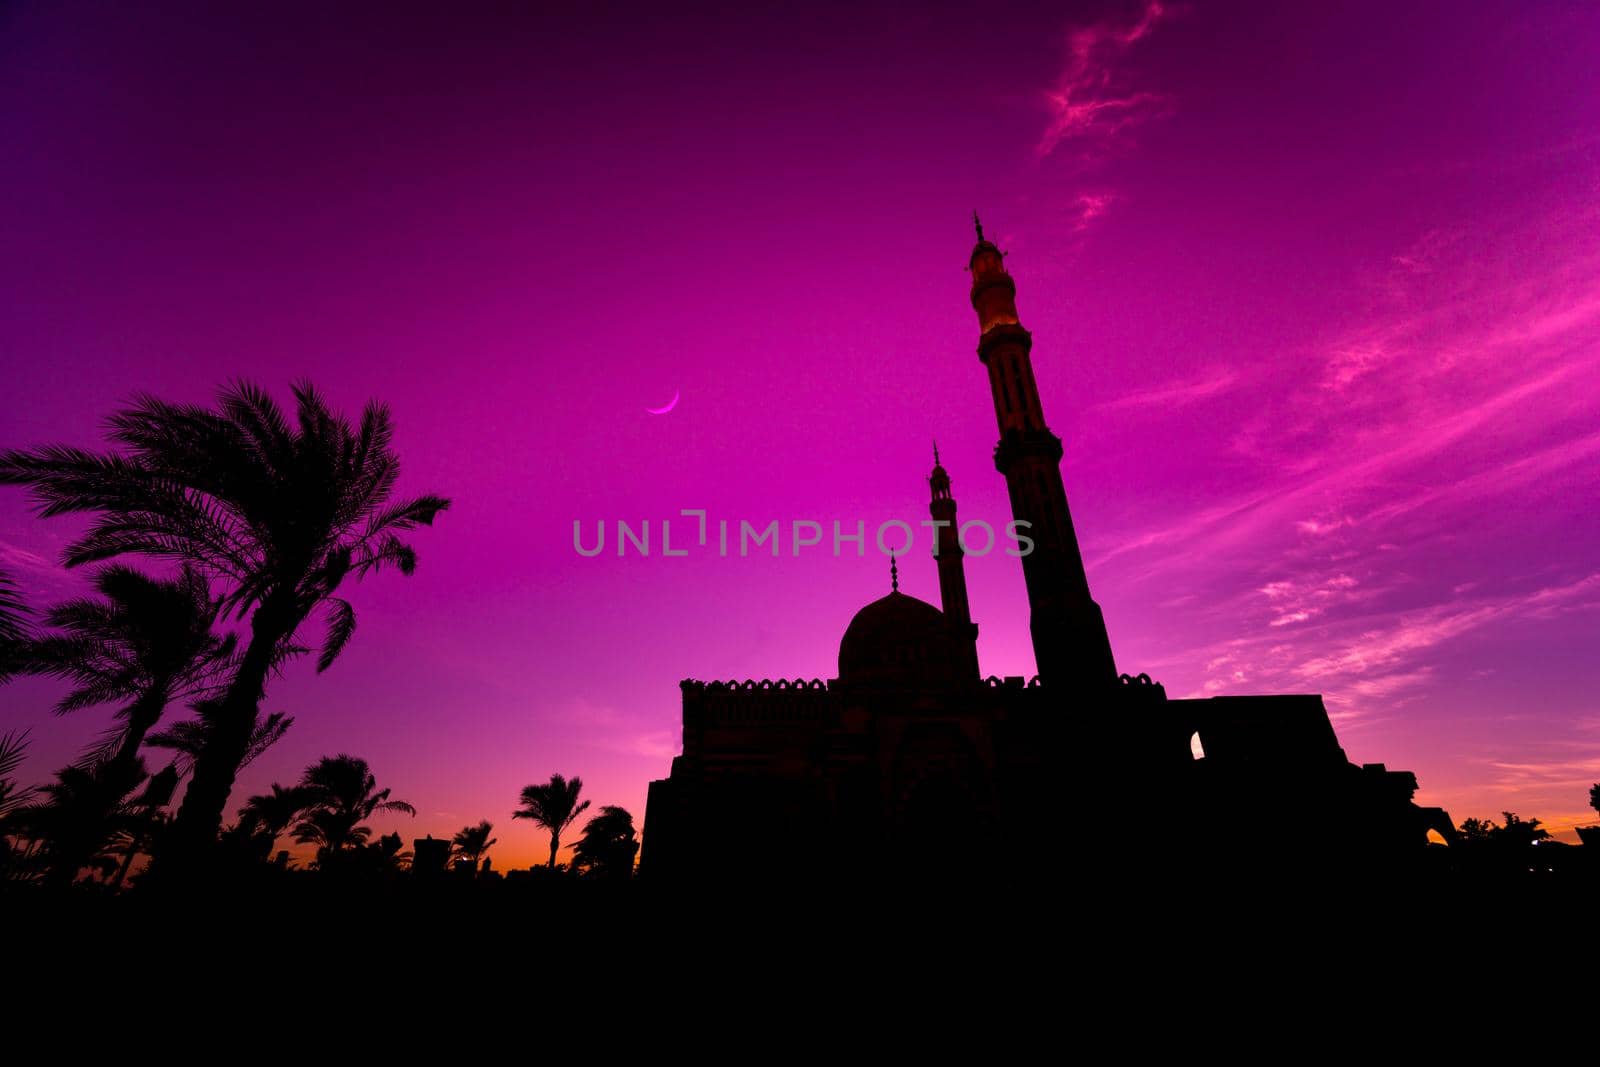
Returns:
<point x="766" y="700"/>
<point x="695" y="684"/>
<point x="1142" y="688"/>
<point x="1011" y="681"/>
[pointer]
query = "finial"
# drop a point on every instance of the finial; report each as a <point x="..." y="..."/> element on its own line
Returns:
<point x="894" y="575"/>
<point x="935" y="453"/>
<point x="977" y="226"/>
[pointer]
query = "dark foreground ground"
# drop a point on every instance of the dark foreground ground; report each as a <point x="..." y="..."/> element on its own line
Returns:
<point x="1282" y="969"/>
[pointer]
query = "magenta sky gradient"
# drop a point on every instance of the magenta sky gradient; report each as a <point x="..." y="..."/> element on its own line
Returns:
<point x="1315" y="297"/>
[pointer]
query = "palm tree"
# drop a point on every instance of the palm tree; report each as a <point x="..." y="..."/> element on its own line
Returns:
<point x="283" y="510"/>
<point x="266" y="817"/>
<point x="473" y="841"/>
<point x="146" y="816"/>
<point x="608" y="844"/>
<point x="189" y="737"/>
<point x="554" y="806"/>
<point x="85" y="811"/>
<point x="143" y="643"/>
<point x="342" y="793"/>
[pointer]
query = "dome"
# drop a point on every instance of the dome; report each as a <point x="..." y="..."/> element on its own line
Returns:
<point x="897" y="639"/>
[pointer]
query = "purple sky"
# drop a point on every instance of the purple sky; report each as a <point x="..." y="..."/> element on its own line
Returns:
<point x="1315" y="298"/>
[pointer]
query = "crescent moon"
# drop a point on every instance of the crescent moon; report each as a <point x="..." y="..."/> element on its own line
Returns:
<point x="670" y="404"/>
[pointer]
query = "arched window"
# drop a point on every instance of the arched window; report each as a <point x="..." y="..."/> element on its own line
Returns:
<point x="1196" y="749"/>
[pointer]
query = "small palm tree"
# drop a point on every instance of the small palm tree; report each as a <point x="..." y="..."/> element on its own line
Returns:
<point x="554" y="806"/>
<point x="608" y="844"/>
<point x="342" y="794"/>
<point x="473" y="841"/>
<point x="284" y="510"/>
<point x="145" y="817"/>
<point x="143" y="643"/>
<point x="84" y="813"/>
<point x="266" y="817"/>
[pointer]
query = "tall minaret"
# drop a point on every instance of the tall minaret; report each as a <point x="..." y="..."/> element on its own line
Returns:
<point x="1070" y="644"/>
<point x="952" y="577"/>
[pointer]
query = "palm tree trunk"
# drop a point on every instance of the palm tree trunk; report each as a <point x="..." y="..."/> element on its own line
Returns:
<point x="142" y="717"/>
<point x="127" y="861"/>
<point x="555" y="846"/>
<point x="199" y="818"/>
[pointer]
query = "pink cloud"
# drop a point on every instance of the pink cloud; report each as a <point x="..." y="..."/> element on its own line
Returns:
<point x="1090" y="100"/>
<point x="1179" y="393"/>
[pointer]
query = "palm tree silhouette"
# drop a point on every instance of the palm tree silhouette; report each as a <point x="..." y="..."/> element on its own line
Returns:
<point x="283" y="510"/>
<point x="554" y="806"/>
<point x="145" y="817"/>
<point x="608" y="844"/>
<point x="266" y="817"/>
<point x="189" y="737"/>
<point x="143" y="643"/>
<point x="341" y="793"/>
<point x="473" y="841"/>
<point x="84" y="812"/>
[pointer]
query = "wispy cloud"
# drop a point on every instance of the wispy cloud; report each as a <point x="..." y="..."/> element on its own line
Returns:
<point x="1092" y="102"/>
<point x="1178" y="394"/>
<point x="1293" y="617"/>
<point x="1362" y="663"/>
<point x="1087" y="207"/>
<point x="1472" y="386"/>
<point x="612" y="730"/>
<point x="18" y="559"/>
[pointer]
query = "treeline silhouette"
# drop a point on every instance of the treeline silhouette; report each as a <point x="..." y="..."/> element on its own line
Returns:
<point x="266" y="516"/>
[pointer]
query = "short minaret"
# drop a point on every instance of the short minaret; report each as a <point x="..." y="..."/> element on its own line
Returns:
<point x="1070" y="644"/>
<point x="952" y="575"/>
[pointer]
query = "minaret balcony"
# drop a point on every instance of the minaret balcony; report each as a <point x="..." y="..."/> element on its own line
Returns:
<point x="1002" y="334"/>
<point x="1026" y="444"/>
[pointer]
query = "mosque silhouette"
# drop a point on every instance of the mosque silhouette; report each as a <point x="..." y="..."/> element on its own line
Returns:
<point x="911" y="762"/>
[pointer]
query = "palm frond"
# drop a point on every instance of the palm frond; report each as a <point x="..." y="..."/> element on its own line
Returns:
<point x="341" y="627"/>
<point x="13" y="617"/>
<point x="267" y="733"/>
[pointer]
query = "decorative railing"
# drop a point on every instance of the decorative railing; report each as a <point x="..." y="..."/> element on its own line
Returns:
<point x="689" y="684"/>
<point x="752" y="700"/>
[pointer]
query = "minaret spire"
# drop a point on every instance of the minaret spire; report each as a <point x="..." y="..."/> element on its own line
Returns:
<point x="1070" y="644"/>
<point x="977" y="225"/>
<point x="894" y="575"/>
<point x="952" y="576"/>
